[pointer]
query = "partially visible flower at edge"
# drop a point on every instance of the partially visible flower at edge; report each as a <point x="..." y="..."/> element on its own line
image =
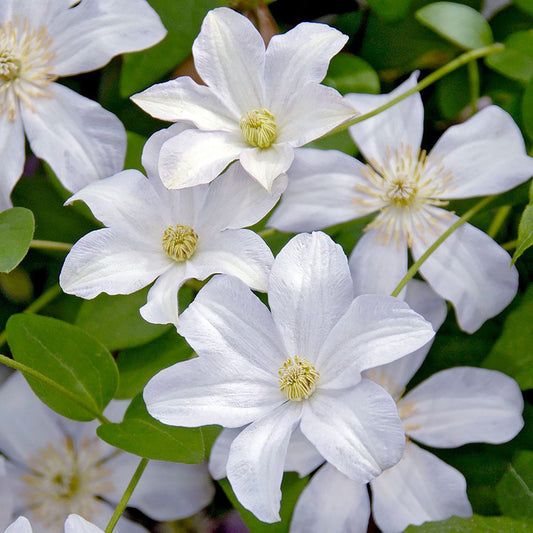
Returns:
<point x="73" y="524"/>
<point x="258" y="105"/>
<point x="42" y="40"/>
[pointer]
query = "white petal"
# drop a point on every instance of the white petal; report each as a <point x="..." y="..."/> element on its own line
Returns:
<point x="194" y="157"/>
<point x="108" y="261"/>
<point x="461" y="405"/>
<point x="235" y="200"/>
<point x="298" y="57"/>
<point x="21" y="525"/>
<point x="358" y="431"/>
<point x="426" y="302"/>
<point x="400" y="126"/>
<point x="420" y="488"/>
<point x="162" y="301"/>
<point x="128" y="203"/>
<point x="76" y="524"/>
<point x="152" y="149"/>
<point x="375" y="330"/>
<point x="302" y="456"/>
<point x="31" y="424"/>
<point x="310" y="288"/>
<point x="166" y="491"/>
<point x="38" y="13"/>
<point x="471" y="271"/>
<point x="237" y="252"/>
<point x="212" y="390"/>
<point x="376" y="267"/>
<point x="227" y="321"/>
<point x="220" y="452"/>
<point x="485" y="155"/>
<point x="229" y="55"/>
<point x="313" y="111"/>
<point x="331" y="502"/>
<point x="321" y="192"/>
<point x="183" y="99"/>
<point x="88" y="35"/>
<point x="265" y="165"/>
<point x="77" y="137"/>
<point x="12" y="155"/>
<point x="6" y="496"/>
<point x="257" y="456"/>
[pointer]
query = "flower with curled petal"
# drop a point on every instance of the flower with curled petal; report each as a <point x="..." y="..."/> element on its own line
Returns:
<point x="258" y="106"/>
<point x="296" y="366"/>
<point x="42" y="40"/>
<point x="408" y="189"/>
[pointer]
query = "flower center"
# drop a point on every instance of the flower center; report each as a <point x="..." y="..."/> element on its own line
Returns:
<point x="298" y="378"/>
<point x="64" y="480"/>
<point x="179" y="242"/>
<point x="25" y="65"/>
<point x="259" y="128"/>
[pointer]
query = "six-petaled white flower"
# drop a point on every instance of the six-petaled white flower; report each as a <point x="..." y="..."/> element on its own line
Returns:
<point x="258" y="105"/>
<point x="55" y="467"/>
<point x="485" y="155"/>
<point x="42" y="40"/>
<point x="298" y="365"/>
<point x="169" y="235"/>
<point x="453" y="407"/>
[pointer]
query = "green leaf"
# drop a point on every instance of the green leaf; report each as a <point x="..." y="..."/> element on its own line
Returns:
<point x="527" y="110"/>
<point x="351" y="74"/>
<point x="16" y="228"/>
<point x="525" y="5"/>
<point x="452" y="93"/>
<point x="457" y="23"/>
<point x="142" y="435"/>
<point x="516" y="60"/>
<point x="525" y="233"/>
<point x="390" y="10"/>
<point x="68" y="356"/>
<point x="136" y="144"/>
<point x="182" y="21"/>
<point x="116" y="322"/>
<point x="291" y="488"/>
<point x="137" y="365"/>
<point x="475" y="524"/>
<point x="512" y="353"/>
<point x="515" y="490"/>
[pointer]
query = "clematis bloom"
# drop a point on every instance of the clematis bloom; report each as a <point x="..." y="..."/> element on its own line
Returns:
<point x="54" y="467"/>
<point x="298" y="365"/>
<point x="169" y="235"/>
<point x="258" y="106"/>
<point x="42" y="40"/>
<point x="485" y="155"/>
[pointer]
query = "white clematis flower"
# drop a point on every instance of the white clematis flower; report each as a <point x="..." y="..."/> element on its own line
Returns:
<point x="42" y="40"/>
<point x="169" y="235"/>
<point x="55" y="467"/>
<point x="73" y="524"/>
<point x="258" y="106"/>
<point x="453" y="407"/>
<point x="298" y="365"/>
<point x="485" y="155"/>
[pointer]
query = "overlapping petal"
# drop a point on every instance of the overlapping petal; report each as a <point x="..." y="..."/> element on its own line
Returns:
<point x="12" y="154"/>
<point x="77" y="524"/>
<point x="265" y="165"/>
<point x="21" y="525"/>
<point x="418" y="489"/>
<point x="461" y="405"/>
<point x="358" y="431"/>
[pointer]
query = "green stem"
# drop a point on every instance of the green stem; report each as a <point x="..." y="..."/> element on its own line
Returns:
<point x="473" y="80"/>
<point x="45" y="298"/>
<point x="51" y="383"/>
<point x="458" y="62"/>
<point x="498" y="220"/>
<point x="50" y="245"/>
<point x="417" y="264"/>
<point x="126" y="496"/>
<point x="266" y="232"/>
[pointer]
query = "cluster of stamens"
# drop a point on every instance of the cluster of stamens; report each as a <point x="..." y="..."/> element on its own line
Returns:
<point x="65" y="480"/>
<point x="298" y="378"/>
<point x="25" y="65"/>
<point x="179" y="242"/>
<point x="258" y="128"/>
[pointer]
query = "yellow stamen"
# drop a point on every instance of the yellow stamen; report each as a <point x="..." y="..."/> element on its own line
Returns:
<point x="259" y="128"/>
<point x="298" y="378"/>
<point x="179" y="242"/>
